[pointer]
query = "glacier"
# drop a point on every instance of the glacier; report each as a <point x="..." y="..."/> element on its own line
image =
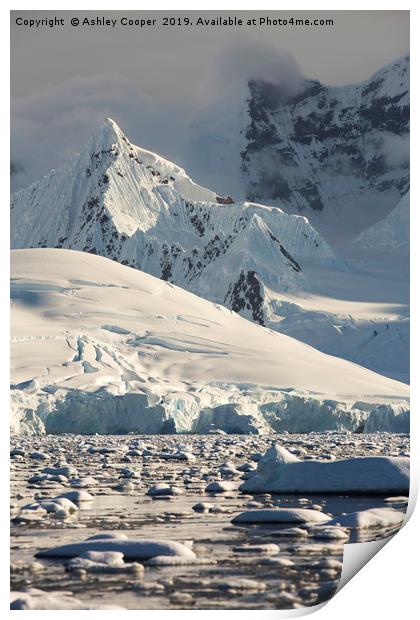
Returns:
<point x="98" y="347"/>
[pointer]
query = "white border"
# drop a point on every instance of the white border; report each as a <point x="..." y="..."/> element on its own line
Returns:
<point x="387" y="586"/>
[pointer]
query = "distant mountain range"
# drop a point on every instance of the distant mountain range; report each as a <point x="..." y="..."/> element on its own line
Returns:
<point x="331" y="167"/>
<point x="339" y="155"/>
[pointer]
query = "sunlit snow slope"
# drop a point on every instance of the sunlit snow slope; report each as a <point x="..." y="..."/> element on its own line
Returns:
<point x="100" y="347"/>
<point x="391" y="233"/>
<point x="123" y="202"/>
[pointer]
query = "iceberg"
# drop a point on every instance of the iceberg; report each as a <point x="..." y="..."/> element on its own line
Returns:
<point x="279" y="471"/>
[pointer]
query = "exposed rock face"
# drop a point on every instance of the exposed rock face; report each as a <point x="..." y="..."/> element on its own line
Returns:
<point x="336" y="154"/>
<point x="245" y="296"/>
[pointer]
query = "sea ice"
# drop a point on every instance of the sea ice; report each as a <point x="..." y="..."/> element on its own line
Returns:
<point x="220" y="487"/>
<point x="372" y="518"/>
<point x="281" y="515"/>
<point x="76" y="496"/>
<point x="279" y="471"/>
<point x="164" y="489"/>
<point x="33" y="599"/>
<point x="61" y="507"/>
<point x="134" y="549"/>
<point x="103" y="562"/>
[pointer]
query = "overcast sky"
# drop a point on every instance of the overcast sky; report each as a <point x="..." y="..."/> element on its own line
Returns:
<point x="64" y="80"/>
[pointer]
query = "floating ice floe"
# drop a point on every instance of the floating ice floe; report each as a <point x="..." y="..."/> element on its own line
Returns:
<point x="65" y="470"/>
<point x="277" y="561"/>
<point x="281" y="515"/>
<point x="402" y="499"/>
<point x="328" y="532"/>
<point x="164" y="489"/>
<point x="240" y="584"/>
<point x="38" y="456"/>
<point x="127" y="472"/>
<point x="178" y="456"/>
<point x="175" y="560"/>
<point x="267" y="548"/>
<point x="247" y="467"/>
<point x="77" y="496"/>
<point x="132" y="549"/>
<point x="85" y="481"/>
<point x="104" y="562"/>
<point x="44" y="478"/>
<point x="17" y="452"/>
<point x="33" y="599"/>
<point x="202" y="507"/>
<point x="372" y="518"/>
<point x="61" y="507"/>
<point x="279" y="471"/>
<point x="291" y="532"/>
<point x="228" y="470"/>
<point x="220" y="487"/>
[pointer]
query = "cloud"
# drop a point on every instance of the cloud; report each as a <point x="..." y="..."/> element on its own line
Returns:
<point x="247" y="58"/>
<point x="396" y="149"/>
<point x="50" y="127"/>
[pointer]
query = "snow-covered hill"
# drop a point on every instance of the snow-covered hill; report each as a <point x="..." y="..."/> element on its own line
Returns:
<point x="336" y="154"/>
<point x="123" y="202"/>
<point x="390" y="234"/>
<point x="361" y="314"/>
<point x="120" y="201"/>
<point x="100" y="347"/>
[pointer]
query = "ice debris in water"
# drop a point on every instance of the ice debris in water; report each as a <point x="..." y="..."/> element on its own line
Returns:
<point x="164" y="489"/>
<point x="279" y="471"/>
<point x="328" y="533"/>
<point x="60" y="507"/>
<point x="65" y="470"/>
<point x="220" y="487"/>
<point x="135" y="549"/>
<point x="372" y="518"/>
<point x="103" y="562"/>
<point x="77" y="496"/>
<point x="281" y="515"/>
<point x="33" y="598"/>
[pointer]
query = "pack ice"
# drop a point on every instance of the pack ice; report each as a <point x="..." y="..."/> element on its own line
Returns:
<point x="100" y="347"/>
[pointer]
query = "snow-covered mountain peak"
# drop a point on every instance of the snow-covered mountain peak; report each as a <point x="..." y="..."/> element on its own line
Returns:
<point x="129" y="204"/>
<point x="391" y="78"/>
<point x="106" y="135"/>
